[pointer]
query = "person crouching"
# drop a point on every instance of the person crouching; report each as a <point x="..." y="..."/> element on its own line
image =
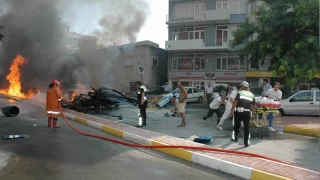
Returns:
<point x="214" y="107"/>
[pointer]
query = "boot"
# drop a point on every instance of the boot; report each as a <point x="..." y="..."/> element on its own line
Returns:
<point x="55" y="124"/>
<point x="234" y="136"/>
<point x="49" y="122"/>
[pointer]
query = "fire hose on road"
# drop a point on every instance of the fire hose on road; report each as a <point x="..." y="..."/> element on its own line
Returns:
<point x="173" y="146"/>
<point x="12" y="111"/>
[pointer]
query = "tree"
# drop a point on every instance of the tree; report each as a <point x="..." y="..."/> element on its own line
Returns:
<point x="288" y="31"/>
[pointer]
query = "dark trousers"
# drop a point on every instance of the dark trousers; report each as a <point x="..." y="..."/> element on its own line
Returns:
<point x="211" y="112"/>
<point x="238" y="118"/>
<point x="143" y="113"/>
<point x="209" y="98"/>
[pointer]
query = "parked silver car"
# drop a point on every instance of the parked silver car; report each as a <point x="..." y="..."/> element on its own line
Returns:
<point x="306" y="102"/>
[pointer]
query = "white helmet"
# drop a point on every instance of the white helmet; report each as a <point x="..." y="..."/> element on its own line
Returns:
<point x="245" y="84"/>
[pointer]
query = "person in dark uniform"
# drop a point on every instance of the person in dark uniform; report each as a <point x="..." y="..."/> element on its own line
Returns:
<point x="143" y="103"/>
<point x="242" y="105"/>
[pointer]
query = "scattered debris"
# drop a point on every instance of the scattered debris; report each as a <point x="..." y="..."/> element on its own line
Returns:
<point x="120" y="117"/>
<point x="14" y="136"/>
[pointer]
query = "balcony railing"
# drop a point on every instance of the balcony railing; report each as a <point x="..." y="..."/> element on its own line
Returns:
<point x="209" y="15"/>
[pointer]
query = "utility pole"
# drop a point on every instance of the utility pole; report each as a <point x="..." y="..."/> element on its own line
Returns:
<point x="140" y="71"/>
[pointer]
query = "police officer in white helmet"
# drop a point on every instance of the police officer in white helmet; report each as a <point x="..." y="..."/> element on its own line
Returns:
<point x="242" y="106"/>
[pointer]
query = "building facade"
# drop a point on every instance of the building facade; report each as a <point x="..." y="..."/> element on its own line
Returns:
<point x="77" y="42"/>
<point x="200" y="43"/>
<point x="125" y="69"/>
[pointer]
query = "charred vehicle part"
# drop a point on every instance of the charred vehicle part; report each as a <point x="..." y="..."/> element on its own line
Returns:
<point x="101" y="99"/>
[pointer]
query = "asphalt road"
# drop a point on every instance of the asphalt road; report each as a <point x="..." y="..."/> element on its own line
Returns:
<point x="63" y="154"/>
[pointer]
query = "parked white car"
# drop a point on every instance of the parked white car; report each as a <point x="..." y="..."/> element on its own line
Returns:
<point x="194" y="94"/>
<point x="305" y="102"/>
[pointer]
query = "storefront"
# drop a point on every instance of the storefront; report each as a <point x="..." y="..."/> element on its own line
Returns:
<point x="202" y="79"/>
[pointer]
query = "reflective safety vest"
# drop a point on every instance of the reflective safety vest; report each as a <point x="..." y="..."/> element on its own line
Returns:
<point x="247" y="95"/>
<point x="245" y="101"/>
<point x="144" y="90"/>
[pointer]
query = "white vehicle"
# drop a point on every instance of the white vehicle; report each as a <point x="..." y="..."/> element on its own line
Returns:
<point x="194" y="94"/>
<point x="306" y="102"/>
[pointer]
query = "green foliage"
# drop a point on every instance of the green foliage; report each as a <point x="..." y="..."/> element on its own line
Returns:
<point x="288" y="31"/>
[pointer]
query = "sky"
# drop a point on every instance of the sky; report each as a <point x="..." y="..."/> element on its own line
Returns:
<point x="156" y="29"/>
<point x="86" y="20"/>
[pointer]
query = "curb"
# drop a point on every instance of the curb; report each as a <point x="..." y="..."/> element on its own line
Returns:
<point x="295" y="129"/>
<point x="214" y="163"/>
<point x="301" y="130"/>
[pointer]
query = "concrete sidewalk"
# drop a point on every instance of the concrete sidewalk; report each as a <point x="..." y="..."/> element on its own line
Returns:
<point x="241" y="166"/>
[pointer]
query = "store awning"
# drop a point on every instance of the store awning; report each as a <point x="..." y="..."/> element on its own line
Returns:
<point x="259" y="74"/>
<point x="230" y="81"/>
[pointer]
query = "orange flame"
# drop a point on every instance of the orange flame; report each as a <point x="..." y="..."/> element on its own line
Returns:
<point x="74" y="95"/>
<point x="14" y="80"/>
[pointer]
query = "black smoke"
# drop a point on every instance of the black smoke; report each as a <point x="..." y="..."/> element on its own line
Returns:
<point x="35" y="30"/>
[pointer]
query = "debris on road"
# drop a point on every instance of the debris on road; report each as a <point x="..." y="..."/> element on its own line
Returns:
<point x="14" y="136"/>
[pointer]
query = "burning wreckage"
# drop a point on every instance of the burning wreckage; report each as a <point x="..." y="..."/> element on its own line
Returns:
<point x="98" y="100"/>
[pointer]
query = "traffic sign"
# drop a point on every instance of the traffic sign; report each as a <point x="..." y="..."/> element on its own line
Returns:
<point x="141" y="70"/>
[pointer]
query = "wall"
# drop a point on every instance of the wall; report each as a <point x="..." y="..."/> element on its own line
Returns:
<point x="210" y="35"/>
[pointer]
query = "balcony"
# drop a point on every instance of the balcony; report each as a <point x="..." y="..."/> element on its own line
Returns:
<point x="209" y="16"/>
<point x="194" y="44"/>
<point x="198" y="44"/>
<point x="217" y="15"/>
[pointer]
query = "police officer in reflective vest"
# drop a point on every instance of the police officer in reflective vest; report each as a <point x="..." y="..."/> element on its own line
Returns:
<point x="143" y="102"/>
<point x="242" y="106"/>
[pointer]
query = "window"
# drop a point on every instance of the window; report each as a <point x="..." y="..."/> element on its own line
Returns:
<point x="191" y="9"/>
<point x="222" y="35"/>
<point x="303" y="96"/>
<point x="318" y="96"/>
<point x="222" y="4"/>
<point x="188" y="33"/>
<point x="254" y="5"/>
<point x="239" y="26"/>
<point x="231" y="61"/>
<point x="189" y="91"/>
<point x="195" y="90"/>
<point x="154" y="61"/>
<point x="188" y="61"/>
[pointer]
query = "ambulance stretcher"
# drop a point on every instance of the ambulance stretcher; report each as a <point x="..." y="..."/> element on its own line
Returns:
<point x="260" y="120"/>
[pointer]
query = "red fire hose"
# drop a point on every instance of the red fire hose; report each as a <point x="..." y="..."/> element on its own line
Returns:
<point x="173" y="147"/>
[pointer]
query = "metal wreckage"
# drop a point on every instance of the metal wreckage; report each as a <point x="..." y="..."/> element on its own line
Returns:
<point x="97" y="100"/>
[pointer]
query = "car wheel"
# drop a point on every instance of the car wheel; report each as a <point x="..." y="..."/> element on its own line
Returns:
<point x="281" y="112"/>
<point x="200" y="100"/>
<point x="223" y="92"/>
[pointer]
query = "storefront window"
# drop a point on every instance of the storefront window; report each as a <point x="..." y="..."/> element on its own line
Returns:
<point x="188" y="62"/>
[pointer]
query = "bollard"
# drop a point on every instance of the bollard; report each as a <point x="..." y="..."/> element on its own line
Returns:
<point x="10" y="111"/>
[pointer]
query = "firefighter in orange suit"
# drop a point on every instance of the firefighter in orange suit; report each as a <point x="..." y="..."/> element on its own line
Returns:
<point x="54" y="96"/>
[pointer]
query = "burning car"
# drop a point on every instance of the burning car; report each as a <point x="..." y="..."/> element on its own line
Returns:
<point x="97" y="100"/>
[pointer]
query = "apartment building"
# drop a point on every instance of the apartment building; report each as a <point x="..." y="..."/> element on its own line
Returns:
<point x="200" y="42"/>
